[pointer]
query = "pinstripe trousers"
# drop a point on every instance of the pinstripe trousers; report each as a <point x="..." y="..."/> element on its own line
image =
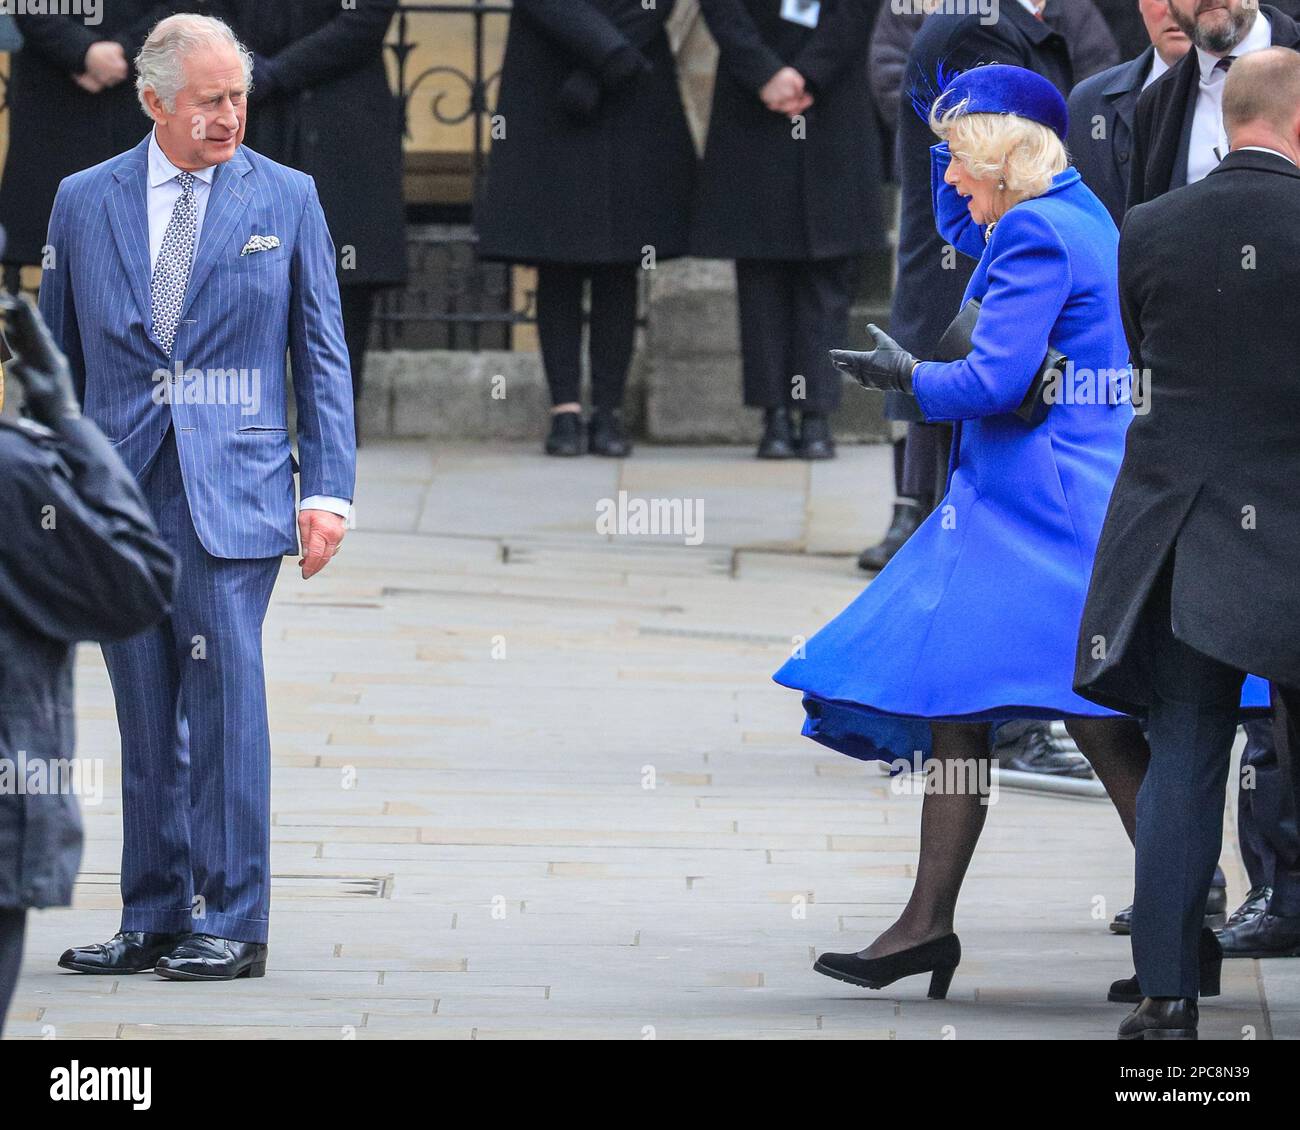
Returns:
<point x="196" y="745"/>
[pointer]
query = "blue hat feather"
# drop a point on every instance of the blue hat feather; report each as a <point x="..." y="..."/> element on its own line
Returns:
<point x="994" y="88"/>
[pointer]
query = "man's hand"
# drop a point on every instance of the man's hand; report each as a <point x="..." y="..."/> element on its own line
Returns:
<point x="39" y="366"/>
<point x="784" y="92"/>
<point x="106" y="63"/>
<point x="88" y="83"/>
<point x="320" y="534"/>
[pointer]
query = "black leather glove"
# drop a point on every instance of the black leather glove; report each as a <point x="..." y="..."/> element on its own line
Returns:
<point x="623" y="66"/>
<point x="580" y="96"/>
<point x="38" y="366"/>
<point x="888" y="367"/>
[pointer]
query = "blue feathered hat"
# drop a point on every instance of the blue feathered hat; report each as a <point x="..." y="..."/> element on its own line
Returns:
<point x="995" y="88"/>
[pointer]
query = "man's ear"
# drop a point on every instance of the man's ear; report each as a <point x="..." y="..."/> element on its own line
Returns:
<point x="155" y="106"/>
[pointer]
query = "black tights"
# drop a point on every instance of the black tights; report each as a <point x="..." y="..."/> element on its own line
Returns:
<point x="951" y="822"/>
<point x="613" y="328"/>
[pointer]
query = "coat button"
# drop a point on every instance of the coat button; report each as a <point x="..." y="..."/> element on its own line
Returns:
<point x="1123" y="156"/>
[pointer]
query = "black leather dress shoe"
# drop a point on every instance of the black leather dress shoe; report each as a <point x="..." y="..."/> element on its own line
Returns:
<point x="815" y="441"/>
<point x="778" y="434"/>
<point x="1161" y="1018"/>
<point x="908" y="514"/>
<point x="131" y="951"/>
<point x="1037" y="750"/>
<point x="203" y="957"/>
<point x="938" y="957"/>
<point x="1216" y="906"/>
<point x="1255" y="903"/>
<point x="607" y="436"/>
<point x="1210" y="956"/>
<point x="566" y="436"/>
<point x="1265" y="935"/>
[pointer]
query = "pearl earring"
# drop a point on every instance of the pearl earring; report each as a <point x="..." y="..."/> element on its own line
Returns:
<point x="1002" y="184"/>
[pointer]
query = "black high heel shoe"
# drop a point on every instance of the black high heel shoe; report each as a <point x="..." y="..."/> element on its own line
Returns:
<point x="938" y="957"/>
<point x="1210" y="955"/>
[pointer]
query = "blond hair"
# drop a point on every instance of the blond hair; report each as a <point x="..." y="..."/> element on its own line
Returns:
<point x="1025" y="154"/>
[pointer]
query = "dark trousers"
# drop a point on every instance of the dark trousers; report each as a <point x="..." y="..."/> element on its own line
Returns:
<point x="925" y="461"/>
<point x="613" y="329"/>
<point x="792" y="314"/>
<point x="13" y="924"/>
<point x="358" y="311"/>
<point x="1266" y="816"/>
<point x="1192" y="721"/>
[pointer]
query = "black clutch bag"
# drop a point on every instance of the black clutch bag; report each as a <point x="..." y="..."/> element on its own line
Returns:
<point x="955" y="345"/>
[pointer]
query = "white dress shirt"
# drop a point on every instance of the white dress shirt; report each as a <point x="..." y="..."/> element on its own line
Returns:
<point x="1207" y="118"/>
<point x="1264" y="149"/>
<point x="163" y="192"/>
<point x="1158" y="67"/>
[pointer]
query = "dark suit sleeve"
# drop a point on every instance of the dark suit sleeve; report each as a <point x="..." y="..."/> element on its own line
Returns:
<point x="1130" y="302"/>
<point x="574" y="25"/>
<point x="350" y="41"/>
<point x="80" y="559"/>
<point x="887" y="62"/>
<point x="63" y="40"/>
<point x="744" y="54"/>
<point x="57" y="301"/>
<point x="837" y="42"/>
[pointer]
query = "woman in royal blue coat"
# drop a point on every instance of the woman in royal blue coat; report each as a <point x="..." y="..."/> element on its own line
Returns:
<point x="975" y="620"/>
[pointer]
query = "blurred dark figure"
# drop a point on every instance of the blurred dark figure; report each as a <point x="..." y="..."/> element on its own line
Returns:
<point x="1064" y="40"/>
<point x="589" y="180"/>
<point x="80" y="560"/>
<point x="321" y="103"/>
<point x="72" y="104"/>
<point x="790" y="190"/>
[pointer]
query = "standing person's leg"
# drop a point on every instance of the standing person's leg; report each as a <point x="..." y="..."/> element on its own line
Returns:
<point x="1118" y="751"/>
<point x="559" y="332"/>
<point x="1192" y="721"/>
<point x="923" y="450"/>
<point x="13" y="924"/>
<point x="952" y="818"/>
<point x="613" y="334"/>
<point x="764" y="300"/>
<point x="358" y="302"/>
<point x="823" y="293"/>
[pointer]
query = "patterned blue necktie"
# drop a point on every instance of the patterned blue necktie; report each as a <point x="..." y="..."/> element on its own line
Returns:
<point x="171" y="274"/>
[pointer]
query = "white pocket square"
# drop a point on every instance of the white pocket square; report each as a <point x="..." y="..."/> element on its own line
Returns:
<point x="261" y="243"/>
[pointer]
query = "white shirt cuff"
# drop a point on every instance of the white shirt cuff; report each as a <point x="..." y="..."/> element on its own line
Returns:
<point x="338" y="506"/>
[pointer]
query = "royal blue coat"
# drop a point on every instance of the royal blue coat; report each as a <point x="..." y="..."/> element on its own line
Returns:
<point x="976" y="617"/>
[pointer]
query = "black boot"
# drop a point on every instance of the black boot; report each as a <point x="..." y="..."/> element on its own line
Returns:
<point x="606" y="435"/>
<point x="908" y="514"/>
<point x="1265" y="935"/>
<point x="566" y="436"/>
<point x="1252" y="906"/>
<point x="131" y="951"/>
<point x="1161" y="1018"/>
<point x="939" y="957"/>
<point x="778" y="434"/>
<point x="815" y="441"/>
<point x="1210" y="955"/>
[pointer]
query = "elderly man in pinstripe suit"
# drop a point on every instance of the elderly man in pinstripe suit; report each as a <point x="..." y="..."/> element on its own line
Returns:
<point x="184" y="272"/>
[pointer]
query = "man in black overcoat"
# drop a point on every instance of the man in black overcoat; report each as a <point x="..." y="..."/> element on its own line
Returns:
<point x="322" y="103"/>
<point x="80" y="559"/>
<point x="1195" y="581"/>
<point x="789" y="189"/>
<point x="72" y="104"/>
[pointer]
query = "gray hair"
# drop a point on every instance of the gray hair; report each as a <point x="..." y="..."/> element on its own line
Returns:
<point x="161" y="62"/>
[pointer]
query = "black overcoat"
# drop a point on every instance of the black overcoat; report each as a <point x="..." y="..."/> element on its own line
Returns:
<point x="322" y="103"/>
<point x="766" y="192"/>
<point x="597" y="188"/>
<point x="1210" y="292"/>
<point x="55" y="127"/>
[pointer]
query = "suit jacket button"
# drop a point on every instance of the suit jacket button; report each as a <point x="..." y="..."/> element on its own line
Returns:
<point x="1123" y="156"/>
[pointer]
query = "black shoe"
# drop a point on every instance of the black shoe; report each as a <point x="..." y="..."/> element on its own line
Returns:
<point x="1161" y="1018"/>
<point x="131" y="951"/>
<point x="1216" y="902"/>
<point x="566" y="436"/>
<point x="939" y="958"/>
<point x="605" y="434"/>
<point x="815" y="441"/>
<point x="1210" y="956"/>
<point x="908" y="515"/>
<point x="1265" y="935"/>
<point x="1255" y="904"/>
<point x="778" y="434"/>
<point x="1036" y="750"/>
<point x="203" y="957"/>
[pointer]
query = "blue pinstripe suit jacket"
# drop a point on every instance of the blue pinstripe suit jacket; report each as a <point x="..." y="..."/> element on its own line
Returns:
<point x="223" y="386"/>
